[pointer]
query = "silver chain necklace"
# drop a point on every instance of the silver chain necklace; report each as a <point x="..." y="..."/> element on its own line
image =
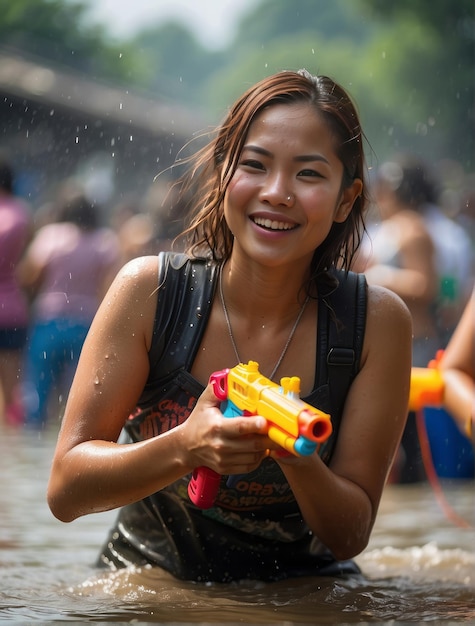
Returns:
<point x="230" y="331"/>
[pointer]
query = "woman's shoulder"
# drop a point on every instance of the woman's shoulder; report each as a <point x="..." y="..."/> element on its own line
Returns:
<point x="388" y="318"/>
<point x="148" y="271"/>
<point x="132" y="295"/>
<point x="388" y="324"/>
<point x="140" y="271"/>
<point x="135" y="284"/>
<point x="386" y="306"/>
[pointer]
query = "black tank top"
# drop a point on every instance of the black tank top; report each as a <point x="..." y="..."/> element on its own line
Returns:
<point x="255" y="529"/>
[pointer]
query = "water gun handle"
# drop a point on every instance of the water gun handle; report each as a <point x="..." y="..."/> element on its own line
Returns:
<point x="203" y="487"/>
<point x="204" y="484"/>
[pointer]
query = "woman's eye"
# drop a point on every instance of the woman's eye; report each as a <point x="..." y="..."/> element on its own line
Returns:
<point x="312" y="173"/>
<point x="252" y="163"/>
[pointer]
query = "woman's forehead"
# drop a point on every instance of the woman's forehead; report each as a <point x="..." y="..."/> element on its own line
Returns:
<point x="293" y="123"/>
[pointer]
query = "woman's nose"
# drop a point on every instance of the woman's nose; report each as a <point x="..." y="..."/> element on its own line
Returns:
<point x="276" y="191"/>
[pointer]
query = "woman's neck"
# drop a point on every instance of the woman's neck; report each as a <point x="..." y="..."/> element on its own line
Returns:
<point x="260" y="292"/>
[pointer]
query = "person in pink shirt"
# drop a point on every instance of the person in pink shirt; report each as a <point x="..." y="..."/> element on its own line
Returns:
<point x="15" y="224"/>
<point x="69" y="265"/>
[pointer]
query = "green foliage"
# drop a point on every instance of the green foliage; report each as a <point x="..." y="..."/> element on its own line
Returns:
<point x="272" y="19"/>
<point x="409" y="64"/>
<point x="394" y="111"/>
<point x="429" y="74"/>
<point x="58" y="32"/>
<point x="175" y="63"/>
<point x="437" y="15"/>
<point x="292" y="53"/>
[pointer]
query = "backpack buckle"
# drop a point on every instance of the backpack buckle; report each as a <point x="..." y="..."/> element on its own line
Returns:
<point x="341" y="356"/>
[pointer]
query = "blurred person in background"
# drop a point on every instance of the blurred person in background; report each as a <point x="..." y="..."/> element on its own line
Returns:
<point x="133" y="232"/>
<point x="425" y="257"/>
<point x="457" y="200"/>
<point x="15" y="229"/>
<point x="168" y="211"/>
<point x="68" y="267"/>
<point x="156" y="226"/>
<point x="400" y="255"/>
<point x="458" y="368"/>
<point x="465" y="216"/>
<point x="453" y="246"/>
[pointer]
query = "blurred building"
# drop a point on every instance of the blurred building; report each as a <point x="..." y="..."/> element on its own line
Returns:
<point x="55" y="125"/>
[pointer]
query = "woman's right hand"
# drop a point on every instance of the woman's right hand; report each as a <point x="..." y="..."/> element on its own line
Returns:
<point x="234" y="445"/>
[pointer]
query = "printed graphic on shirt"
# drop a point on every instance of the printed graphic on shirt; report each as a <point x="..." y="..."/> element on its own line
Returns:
<point x="260" y="503"/>
<point x="161" y="417"/>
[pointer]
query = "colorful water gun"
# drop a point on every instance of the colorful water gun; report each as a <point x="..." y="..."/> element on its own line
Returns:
<point x="293" y="424"/>
<point x="427" y="390"/>
<point x="427" y="385"/>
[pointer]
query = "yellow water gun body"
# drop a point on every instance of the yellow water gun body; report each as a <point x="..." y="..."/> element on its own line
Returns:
<point x="293" y="424"/>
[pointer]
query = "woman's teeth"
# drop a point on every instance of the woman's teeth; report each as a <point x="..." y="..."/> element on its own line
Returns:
<point x="272" y="224"/>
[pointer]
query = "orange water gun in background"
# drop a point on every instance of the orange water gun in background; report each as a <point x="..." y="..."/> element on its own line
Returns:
<point x="293" y="424"/>
<point x="427" y="390"/>
<point x="427" y="385"/>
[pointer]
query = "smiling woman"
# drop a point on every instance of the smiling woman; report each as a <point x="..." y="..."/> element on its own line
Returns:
<point x="277" y="203"/>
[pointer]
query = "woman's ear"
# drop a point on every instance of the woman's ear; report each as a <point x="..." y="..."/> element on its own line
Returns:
<point x="347" y="199"/>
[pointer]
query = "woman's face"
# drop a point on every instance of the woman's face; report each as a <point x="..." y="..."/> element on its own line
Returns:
<point x="286" y="191"/>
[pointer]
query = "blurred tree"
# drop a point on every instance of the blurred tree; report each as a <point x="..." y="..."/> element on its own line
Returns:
<point x="409" y="64"/>
<point x="175" y="64"/>
<point x="272" y="19"/>
<point x="278" y="34"/>
<point x="59" y="32"/>
<point x="432" y="72"/>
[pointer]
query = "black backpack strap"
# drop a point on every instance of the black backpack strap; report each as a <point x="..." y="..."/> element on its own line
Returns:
<point x="186" y="290"/>
<point x="185" y="293"/>
<point x="341" y="327"/>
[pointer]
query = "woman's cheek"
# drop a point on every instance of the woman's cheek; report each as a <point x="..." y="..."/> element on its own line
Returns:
<point x="237" y="196"/>
<point x="240" y="186"/>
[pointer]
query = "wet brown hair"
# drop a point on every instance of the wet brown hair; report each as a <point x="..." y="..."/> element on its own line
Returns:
<point x="214" y="165"/>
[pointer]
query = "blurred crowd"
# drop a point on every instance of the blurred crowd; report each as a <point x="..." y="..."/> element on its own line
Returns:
<point x="56" y="263"/>
<point x="420" y="243"/>
<point x="58" y="260"/>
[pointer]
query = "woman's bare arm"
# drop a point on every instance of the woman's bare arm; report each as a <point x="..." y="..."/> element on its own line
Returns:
<point x="458" y="367"/>
<point x="340" y="502"/>
<point x="91" y="472"/>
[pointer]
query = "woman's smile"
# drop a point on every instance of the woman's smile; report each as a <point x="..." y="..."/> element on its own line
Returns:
<point x="273" y="223"/>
